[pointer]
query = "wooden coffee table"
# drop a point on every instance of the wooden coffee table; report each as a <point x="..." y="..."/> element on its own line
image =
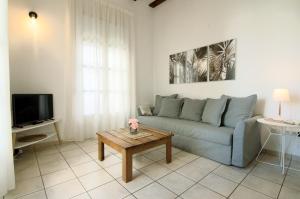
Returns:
<point x="129" y="146"/>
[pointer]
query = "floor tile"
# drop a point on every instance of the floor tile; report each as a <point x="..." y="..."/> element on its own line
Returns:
<point x="24" y="159"/>
<point x="78" y="159"/>
<point x="176" y="182"/>
<point x="35" y="195"/>
<point x="140" y="162"/>
<point x="49" y="158"/>
<point x="82" y="196"/>
<point x="275" y="159"/>
<point x="198" y="169"/>
<point x="200" y="192"/>
<point x="53" y="166"/>
<point x="25" y="187"/>
<point x="292" y="180"/>
<point x="109" y="161"/>
<point x="139" y="181"/>
<point x="174" y="150"/>
<point x="85" y="168"/>
<point x="49" y="150"/>
<point x="130" y="197"/>
<point x="112" y="190"/>
<point x="263" y="186"/>
<point x="69" y="146"/>
<point x="295" y="163"/>
<point x="230" y="173"/>
<point x="58" y="177"/>
<point x="155" y="155"/>
<point x="218" y="184"/>
<point x="175" y="164"/>
<point x="287" y="193"/>
<point x="87" y="142"/>
<point x="65" y="190"/>
<point x="30" y="171"/>
<point x="268" y="172"/>
<point x="72" y="153"/>
<point x="245" y="193"/>
<point x="95" y="179"/>
<point x="249" y="168"/>
<point x="185" y="156"/>
<point x="154" y="190"/>
<point x="94" y="154"/>
<point x="263" y="182"/>
<point x="155" y="171"/>
<point x="90" y="148"/>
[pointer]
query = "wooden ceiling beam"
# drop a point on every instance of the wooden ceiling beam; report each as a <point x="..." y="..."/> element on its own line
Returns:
<point x="156" y="3"/>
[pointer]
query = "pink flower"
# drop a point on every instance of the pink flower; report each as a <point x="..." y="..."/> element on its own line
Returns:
<point x="133" y="123"/>
<point x="132" y="120"/>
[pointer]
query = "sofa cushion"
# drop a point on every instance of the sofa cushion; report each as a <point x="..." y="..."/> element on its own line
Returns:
<point x="170" y="107"/>
<point x="191" y="129"/>
<point x="239" y="108"/>
<point x="213" y="111"/>
<point x="158" y="100"/>
<point x="145" y="110"/>
<point x="192" y="109"/>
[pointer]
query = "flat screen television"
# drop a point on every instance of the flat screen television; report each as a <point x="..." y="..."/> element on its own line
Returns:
<point x="31" y="108"/>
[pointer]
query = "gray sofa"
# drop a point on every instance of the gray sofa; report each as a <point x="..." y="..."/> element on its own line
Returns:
<point x="231" y="145"/>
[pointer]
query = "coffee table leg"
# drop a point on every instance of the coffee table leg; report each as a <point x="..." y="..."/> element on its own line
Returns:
<point x="100" y="150"/>
<point x="169" y="150"/>
<point x="126" y="166"/>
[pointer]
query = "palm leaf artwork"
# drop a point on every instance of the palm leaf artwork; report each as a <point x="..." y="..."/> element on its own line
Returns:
<point x="196" y="65"/>
<point x="177" y="68"/>
<point x="222" y="60"/>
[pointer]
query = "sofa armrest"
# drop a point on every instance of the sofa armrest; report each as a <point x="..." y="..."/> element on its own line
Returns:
<point x="246" y="142"/>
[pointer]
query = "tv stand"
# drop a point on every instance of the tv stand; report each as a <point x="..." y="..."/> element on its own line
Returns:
<point x="16" y="130"/>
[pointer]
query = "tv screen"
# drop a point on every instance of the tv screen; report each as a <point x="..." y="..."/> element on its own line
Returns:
<point x="31" y="108"/>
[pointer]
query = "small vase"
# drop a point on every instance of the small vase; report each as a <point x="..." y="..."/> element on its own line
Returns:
<point x="133" y="131"/>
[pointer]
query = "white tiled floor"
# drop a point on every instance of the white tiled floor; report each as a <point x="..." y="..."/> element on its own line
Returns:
<point x="72" y="170"/>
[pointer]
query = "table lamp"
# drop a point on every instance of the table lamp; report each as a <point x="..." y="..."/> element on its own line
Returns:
<point x="281" y="95"/>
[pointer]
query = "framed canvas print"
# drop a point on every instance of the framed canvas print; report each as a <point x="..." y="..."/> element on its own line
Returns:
<point x="222" y="60"/>
<point x="196" y="65"/>
<point x="177" y="68"/>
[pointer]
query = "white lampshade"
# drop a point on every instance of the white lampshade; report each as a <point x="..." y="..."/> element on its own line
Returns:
<point x="281" y="95"/>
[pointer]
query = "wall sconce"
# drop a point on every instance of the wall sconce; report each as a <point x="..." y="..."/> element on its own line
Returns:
<point x="33" y="15"/>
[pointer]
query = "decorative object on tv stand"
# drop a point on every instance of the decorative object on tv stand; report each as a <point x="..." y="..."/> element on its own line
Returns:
<point x="133" y="125"/>
<point x="280" y="95"/>
<point x="210" y="63"/>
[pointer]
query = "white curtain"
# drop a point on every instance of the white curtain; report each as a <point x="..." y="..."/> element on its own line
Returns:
<point x="101" y="75"/>
<point x="7" y="178"/>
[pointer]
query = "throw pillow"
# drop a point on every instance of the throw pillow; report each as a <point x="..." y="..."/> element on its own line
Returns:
<point x="145" y="110"/>
<point x="192" y="109"/>
<point x="158" y="100"/>
<point x="213" y="111"/>
<point x="239" y="108"/>
<point x="170" y="107"/>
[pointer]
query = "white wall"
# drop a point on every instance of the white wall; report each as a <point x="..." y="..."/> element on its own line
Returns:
<point x="267" y="34"/>
<point x="144" y="51"/>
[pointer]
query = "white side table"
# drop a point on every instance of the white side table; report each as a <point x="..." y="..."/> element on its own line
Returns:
<point x="284" y="129"/>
